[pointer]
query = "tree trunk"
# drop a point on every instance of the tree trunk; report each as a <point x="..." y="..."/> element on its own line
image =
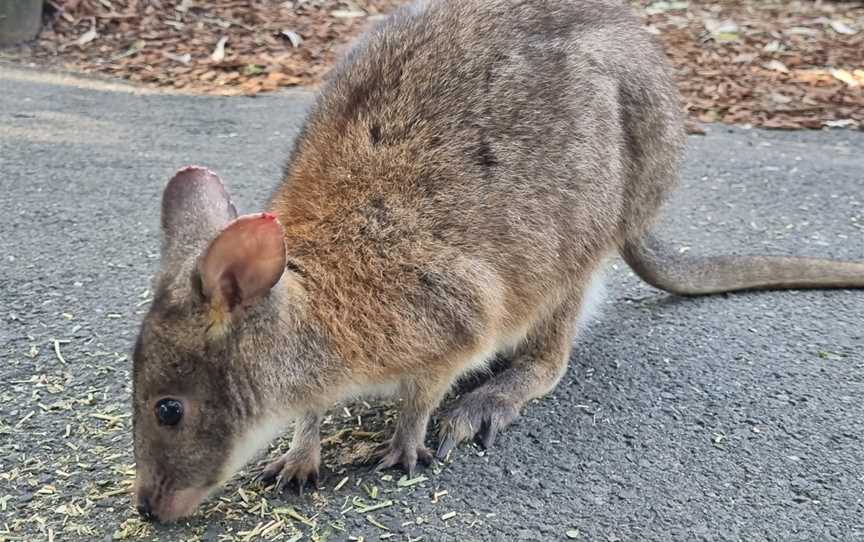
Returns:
<point x="20" y="20"/>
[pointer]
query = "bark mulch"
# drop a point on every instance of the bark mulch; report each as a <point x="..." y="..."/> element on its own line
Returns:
<point x="768" y="63"/>
<point x="226" y="47"/>
<point x="774" y="64"/>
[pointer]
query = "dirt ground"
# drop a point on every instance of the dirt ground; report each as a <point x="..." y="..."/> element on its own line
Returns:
<point x="773" y="64"/>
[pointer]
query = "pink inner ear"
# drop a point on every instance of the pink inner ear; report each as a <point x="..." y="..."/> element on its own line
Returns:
<point x="244" y="261"/>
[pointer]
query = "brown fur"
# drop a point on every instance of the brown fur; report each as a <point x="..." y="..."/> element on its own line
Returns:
<point x="461" y="178"/>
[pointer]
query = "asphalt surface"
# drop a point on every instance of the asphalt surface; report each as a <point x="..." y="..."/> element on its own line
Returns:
<point x="734" y="417"/>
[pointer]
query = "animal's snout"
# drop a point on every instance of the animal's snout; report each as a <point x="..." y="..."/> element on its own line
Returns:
<point x="144" y="506"/>
<point x="167" y="505"/>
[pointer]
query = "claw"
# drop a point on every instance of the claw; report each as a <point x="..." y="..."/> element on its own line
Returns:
<point x="282" y="482"/>
<point x="271" y="472"/>
<point x="424" y="456"/>
<point x="445" y="447"/>
<point x="489" y="433"/>
<point x="383" y="464"/>
<point x="480" y="415"/>
<point x="298" y="483"/>
<point x="407" y="458"/>
<point x="288" y="470"/>
<point x="409" y="466"/>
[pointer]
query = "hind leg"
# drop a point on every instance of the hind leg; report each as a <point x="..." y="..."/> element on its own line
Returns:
<point x="538" y="364"/>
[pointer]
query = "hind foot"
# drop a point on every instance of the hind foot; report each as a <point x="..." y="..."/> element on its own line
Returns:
<point x="478" y="414"/>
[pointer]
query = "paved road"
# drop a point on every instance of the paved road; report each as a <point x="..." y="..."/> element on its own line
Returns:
<point x="724" y="418"/>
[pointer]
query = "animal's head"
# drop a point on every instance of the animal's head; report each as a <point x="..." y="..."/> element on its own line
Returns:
<point x="198" y="413"/>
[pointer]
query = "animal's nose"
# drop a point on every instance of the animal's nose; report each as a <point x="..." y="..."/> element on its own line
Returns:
<point x="144" y="507"/>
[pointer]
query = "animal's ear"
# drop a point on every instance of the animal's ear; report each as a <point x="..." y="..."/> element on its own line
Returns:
<point x="242" y="263"/>
<point x="195" y="207"/>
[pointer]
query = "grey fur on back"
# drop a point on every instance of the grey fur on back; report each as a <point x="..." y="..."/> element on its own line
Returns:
<point x="522" y="101"/>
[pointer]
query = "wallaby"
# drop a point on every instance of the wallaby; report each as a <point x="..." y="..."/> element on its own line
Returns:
<point x="461" y="179"/>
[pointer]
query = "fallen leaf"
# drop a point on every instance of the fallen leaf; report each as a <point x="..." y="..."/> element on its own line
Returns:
<point x="813" y="76"/>
<point x="662" y="7"/>
<point x="846" y="77"/>
<point x="708" y="116"/>
<point x="293" y="37"/>
<point x="269" y="84"/>
<point x="722" y="30"/>
<point x="208" y="75"/>
<point x="87" y="37"/>
<point x="772" y="47"/>
<point x="252" y="86"/>
<point x="219" y="52"/>
<point x="776" y="65"/>
<point x="842" y="28"/>
<point x="347" y="14"/>
<point x="183" y="59"/>
<point x="745" y="58"/>
<point x="801" y="31"/>
<point x="184" y="6"/>
<point x="840" y="123"/>
<point x="253" y="69"/>
<point x="134" y="48"/>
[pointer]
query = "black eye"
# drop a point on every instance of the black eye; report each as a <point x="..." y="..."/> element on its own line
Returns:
<point x="169" y="411"/>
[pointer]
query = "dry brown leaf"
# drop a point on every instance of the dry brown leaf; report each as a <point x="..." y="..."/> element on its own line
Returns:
<point x="776" y="65"/>
<point x="218" y="54"/>
<point x="183" y="59"/>
<point x="347" y="13"/>
<point x="846" y="77"/>
<point x="293" y="37"/>
<point x="842" y="28"/>
<point x="87" y="37"/>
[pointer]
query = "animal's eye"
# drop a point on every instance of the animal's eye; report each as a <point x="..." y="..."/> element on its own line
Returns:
<point x="169" y="411"/>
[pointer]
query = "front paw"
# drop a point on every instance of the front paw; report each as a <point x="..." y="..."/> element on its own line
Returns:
<point x="297" y="468"/>
<point x="404" y="454"/>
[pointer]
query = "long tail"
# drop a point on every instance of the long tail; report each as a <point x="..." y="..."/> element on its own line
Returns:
<point x="684" y="274"/>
